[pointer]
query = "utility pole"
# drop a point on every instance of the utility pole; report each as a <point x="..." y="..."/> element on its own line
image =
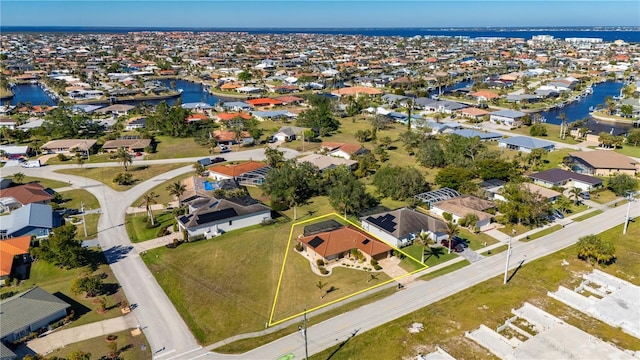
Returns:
<point x="303" y="328"/>
<point x="84" y="220"/>
<point x="506" y="267"/>
<point x="626" y="218"/>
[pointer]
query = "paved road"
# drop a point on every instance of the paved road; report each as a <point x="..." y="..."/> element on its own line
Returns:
<point x="162" y="324"/>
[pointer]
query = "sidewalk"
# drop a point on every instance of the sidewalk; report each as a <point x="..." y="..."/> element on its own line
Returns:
<point x="63" y="337"/>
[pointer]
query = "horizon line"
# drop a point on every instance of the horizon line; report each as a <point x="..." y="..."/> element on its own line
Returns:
<point x="325" y="28"/>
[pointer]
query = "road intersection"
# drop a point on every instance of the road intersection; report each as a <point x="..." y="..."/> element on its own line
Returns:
<point x="170" y="338"/>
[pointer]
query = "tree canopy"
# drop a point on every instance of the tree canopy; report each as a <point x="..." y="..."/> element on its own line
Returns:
<point x="292" y="184"/>
<point x="595" y="248"/>
<point x="320" y="116"/>
<point x="346" y="193"/>
<point x="523" y="206"/>
<point x="399" y="183"/>
<point x="622" y="183"/>
<point x="62" y="249"/>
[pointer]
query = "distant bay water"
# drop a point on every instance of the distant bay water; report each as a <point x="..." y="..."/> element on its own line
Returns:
<point x="628" y="34"/>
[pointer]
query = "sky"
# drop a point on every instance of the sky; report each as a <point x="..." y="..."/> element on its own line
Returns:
<point x="320" y="13"/>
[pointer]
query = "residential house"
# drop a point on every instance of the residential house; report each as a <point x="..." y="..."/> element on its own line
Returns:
<point x="325" y="162"/>
<point x="32" y="193"/>
<point x="509" y="118"/>
<point x="131" y="145"/>
<point x="29" y="312"/>
<point x="9" y="123"/>
<point x="11" y="251"/>
<point x="116" y="109"/>
<point x="288" y="133"/>
<point x="603" y="163"/>
<point x="343" y="150"/>
<point x="197" y="188"/>
<point x="275" y="115"/>
<point x="461" y="206"/>
<point x="263" y="102"/>
<point x="236" y="106"/>
<point x="563" y="178"/>
<point x="139" y="123"/>
<point x="68" y="146"/>
<point x="13" y="152"/>
<point x="211" y="217"/>
<point x="473" y="113"/>
<point x="483" y="135"/>
<point x="401" y="227"/>
<point x="32" y="219"/>
<point x="525" y="144"/>
<point x="337" y="244"/>
<point x="246" y="173"/>
<point x="229" y="137"/>
<point x="356" y="91"/>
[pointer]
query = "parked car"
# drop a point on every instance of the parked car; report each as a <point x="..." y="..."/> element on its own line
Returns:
<point x="585" y="195"/>
<point x="272" y="139"/>
<point x="224" y="149"/>
<point x="217" y="159"/>
<point x="558" y="214"/>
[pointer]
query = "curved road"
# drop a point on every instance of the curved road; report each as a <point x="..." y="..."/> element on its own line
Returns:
<point x="166" y="330"/>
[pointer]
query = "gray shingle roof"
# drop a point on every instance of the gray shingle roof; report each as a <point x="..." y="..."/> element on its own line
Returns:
<point x="27" y="308"/>
<point x="527" y="142"/>
<point x="409" y="221"/>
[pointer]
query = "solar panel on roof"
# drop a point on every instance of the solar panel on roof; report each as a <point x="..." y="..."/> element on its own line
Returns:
<point x="365" y="241"/>
<point x="216" y="215"/>
<point x="315" y="242"/>
<point x="385" y="222"/>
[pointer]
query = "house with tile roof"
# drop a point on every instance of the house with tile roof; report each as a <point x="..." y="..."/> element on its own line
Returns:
<point x="324" y="162"/>
<point x="236" y="171"/>
<point x="210" y="217"/>
<point x="9" y="250"/>
<point x="461" y="206"/>
<point x="337" y="244"/>
<point x="67" y="146"/>
<point x="564" y="178"/>
<point x="603" y="163"/>
<point x="525" y="144"/>
<point x="131" y="145"/>
<point x="29" y="312"/>
<point x="402" y="226"/>
<point x="27" y="194"/>
<point x="343" y="150"/>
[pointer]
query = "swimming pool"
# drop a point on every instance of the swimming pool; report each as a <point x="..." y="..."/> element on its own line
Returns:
<point x="209" y="186"/>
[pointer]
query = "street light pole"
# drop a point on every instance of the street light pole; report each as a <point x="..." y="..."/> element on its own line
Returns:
<point x="626" y="218"/>
<point x="304" y="334"/>
<point x="506" y="267"/>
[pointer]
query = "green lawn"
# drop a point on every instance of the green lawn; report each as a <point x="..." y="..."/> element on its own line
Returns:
<point x="161" y="190"/>
<point x="47" y="183"/>
<point x="490" y="303"/>
<point x="587" y="215"/>
<point x="604" y="196"/>
<point x="633" y="151"/>
<point x="92" y="226"/>
<point x="519" y="229"/>
<point x="131" y="347"/>
<point x="106" y="174"/>
<point x="553" y="133"/>
<point x="438" y="256"/>
<point x="93" y="159"/>
<point x="136" y="225"/>
<point x="445" y="270"/>
<point x="58" y="282"/>
<point x="170" y="148"/>
<point x="73" y="198"/>
<point x="476" y="241"/>
<point x="497" y="250"/>
<point x="542" y="233"/>
<point x="202" y="280"/>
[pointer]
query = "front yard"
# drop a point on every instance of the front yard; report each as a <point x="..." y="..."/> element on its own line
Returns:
<point x="139" y="229"/>
<point x="105" y="175"/>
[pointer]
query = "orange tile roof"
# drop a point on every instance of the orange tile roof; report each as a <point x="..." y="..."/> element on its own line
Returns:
<point x="27" y="193"/>
<point x="228" y="136"/>
<point x="486" y="94"/>
<point x="10" y="248"/>
<point x="263" y="101"/>
<point x="289" y="99"/>
<point x="354" y="90"/>
<point x="238" y="169"/>
<point x="474" y="111"/>
<point x="230" y="86"/>
<point x="229" y="116"/>
<point x="348" y="148"/>
<point x="344" y="239"/>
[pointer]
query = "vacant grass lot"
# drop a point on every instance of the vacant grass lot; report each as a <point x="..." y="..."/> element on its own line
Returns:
<point x="74" y="198"/>
<point x="490" y="303"/>
<point x="553" y="134"/>
<point x="604" y="196"/>
<point x="105" y="175"/>
<point x="137" y="229"/>
<point x="226" y="285"/>
<point x="58" y="282"/>
<point x="170" y="148"/>
<point x="131" y="347"/>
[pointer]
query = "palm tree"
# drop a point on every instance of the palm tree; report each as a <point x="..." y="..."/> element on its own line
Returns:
<point x="574" y="193"/>
<point x="452" y="230"/>
<point x="424" y="240"/>
<point x="320" y="285"/>
<point x="149" y="199"/>
<point x="176" y="189"/>
<point x="79" y="159"/>
<point x="124" y="158"/>
<point x="18" y="177"/>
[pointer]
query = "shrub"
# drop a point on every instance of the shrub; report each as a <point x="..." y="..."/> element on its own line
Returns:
<point x="320" y="262"/>
<point x="298" y="247"/>
<point x="377" y="267"/>
<point x="322" y="270"/>
<point x="374" y="262"/>
<point x="62" y="157"/>
<point x="197" y="237"/>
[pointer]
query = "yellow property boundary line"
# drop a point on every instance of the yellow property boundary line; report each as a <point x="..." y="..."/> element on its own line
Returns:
<point x="286" y="254"/>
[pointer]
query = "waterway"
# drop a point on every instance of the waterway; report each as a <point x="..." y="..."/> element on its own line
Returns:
<point x="191" y="92"/>
<point x="30" y="93"/>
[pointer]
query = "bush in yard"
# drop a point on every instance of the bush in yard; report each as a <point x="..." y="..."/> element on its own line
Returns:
<point x="374" y="262"/>
<point x="62" y="157"/>
<point x="92" y="285"/>
<point x="298" y="247"/>
<point x="323" y="270"/>
<point x="594" y="248"/>
<point x="320" y="262"/>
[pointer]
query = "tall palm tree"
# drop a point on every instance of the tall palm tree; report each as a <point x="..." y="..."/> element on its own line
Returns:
<point x="18" y="178"/>
<point x="424" y="240"/>
<point x="149" y="199"/>
<point x="176" y="189"/>
<point x="452" y="230"/>
<point x="124" y="158"/>
<point x="574" y="193"/>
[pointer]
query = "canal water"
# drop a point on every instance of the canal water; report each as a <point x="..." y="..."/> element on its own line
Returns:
<point x="30" y="93"/>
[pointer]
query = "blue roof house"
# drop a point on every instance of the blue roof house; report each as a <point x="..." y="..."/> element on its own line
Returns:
<point x="525" y="144"/>
<point x="32" y="219"/>
<point x="484" y="136"/>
